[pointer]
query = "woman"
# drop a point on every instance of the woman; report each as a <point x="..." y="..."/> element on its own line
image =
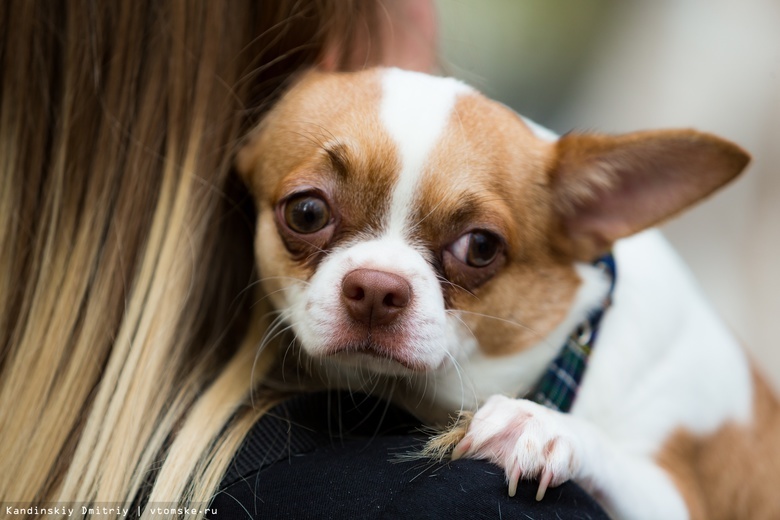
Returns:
<point x="125" y="250"/>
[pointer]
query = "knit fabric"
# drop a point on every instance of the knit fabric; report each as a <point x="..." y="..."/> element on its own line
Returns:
<point x="337" y="455"/>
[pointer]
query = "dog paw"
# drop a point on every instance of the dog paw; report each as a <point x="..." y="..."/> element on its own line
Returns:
<point x="527" y="440"/>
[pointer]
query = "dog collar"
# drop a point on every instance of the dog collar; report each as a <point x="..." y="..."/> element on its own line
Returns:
<point x="558" y="387"/>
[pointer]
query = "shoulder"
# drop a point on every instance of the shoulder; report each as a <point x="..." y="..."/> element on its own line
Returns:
<point x="322" y="473"/>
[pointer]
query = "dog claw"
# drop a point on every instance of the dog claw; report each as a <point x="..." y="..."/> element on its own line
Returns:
<point x="514" y="478"/>
<point x="523" y="438"/>
<point x="461" y="449"/>
<point x="543" y="483"/>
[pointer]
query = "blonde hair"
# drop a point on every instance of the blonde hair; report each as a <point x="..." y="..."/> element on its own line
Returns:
<point x="125" y="244"/>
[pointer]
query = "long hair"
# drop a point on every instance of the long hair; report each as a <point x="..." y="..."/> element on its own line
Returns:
<point x="125" y="241"/>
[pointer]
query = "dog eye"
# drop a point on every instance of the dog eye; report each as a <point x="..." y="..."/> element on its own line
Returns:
<point x="306" y="214"/>
<point x="477" y="248"/>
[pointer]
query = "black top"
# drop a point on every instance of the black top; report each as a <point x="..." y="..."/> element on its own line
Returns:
<point x="340" y="456"/>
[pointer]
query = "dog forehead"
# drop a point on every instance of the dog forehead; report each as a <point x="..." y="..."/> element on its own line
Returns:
<point x="415" y="110"/>
<point x="386" y="124"/>
<point x="410" y="141"/>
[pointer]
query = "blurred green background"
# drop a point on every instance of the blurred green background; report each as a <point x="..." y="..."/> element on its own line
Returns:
<point x="529" y="54"/>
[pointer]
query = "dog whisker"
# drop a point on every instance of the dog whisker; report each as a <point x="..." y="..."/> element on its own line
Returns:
<point x="459" y="371"/>
<point x="445" y="281"/>
<point x="503" y="320"/>
<point x="291" y="278"/>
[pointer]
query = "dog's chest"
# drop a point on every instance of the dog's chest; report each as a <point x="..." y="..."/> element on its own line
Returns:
<point x="664" y="357"/>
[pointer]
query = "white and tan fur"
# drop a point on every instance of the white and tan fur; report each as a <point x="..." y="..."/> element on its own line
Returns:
<point x="671" y="421"/>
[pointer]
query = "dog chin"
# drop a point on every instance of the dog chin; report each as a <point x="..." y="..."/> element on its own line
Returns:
<point x="374" y="360"/>
<point x="371" y="363"/>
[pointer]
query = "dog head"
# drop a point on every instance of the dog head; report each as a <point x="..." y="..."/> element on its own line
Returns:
<point x="406" y="222"/>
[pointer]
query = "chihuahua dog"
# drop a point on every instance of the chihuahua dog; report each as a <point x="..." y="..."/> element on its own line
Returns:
<point x="421" y="238"/>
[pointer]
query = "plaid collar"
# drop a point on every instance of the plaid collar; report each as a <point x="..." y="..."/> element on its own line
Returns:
<point x="558" y="387"/>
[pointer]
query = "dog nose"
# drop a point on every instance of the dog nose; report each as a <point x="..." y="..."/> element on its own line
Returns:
<point x="374" y="297"/>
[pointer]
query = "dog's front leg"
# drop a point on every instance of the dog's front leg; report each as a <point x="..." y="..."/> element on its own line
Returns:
<point x="530" y="441"/>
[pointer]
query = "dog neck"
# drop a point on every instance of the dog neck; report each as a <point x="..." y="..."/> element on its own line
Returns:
<point x="558" y="387"/>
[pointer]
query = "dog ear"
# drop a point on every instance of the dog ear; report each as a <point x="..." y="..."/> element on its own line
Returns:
<point x="609" y="187"/>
